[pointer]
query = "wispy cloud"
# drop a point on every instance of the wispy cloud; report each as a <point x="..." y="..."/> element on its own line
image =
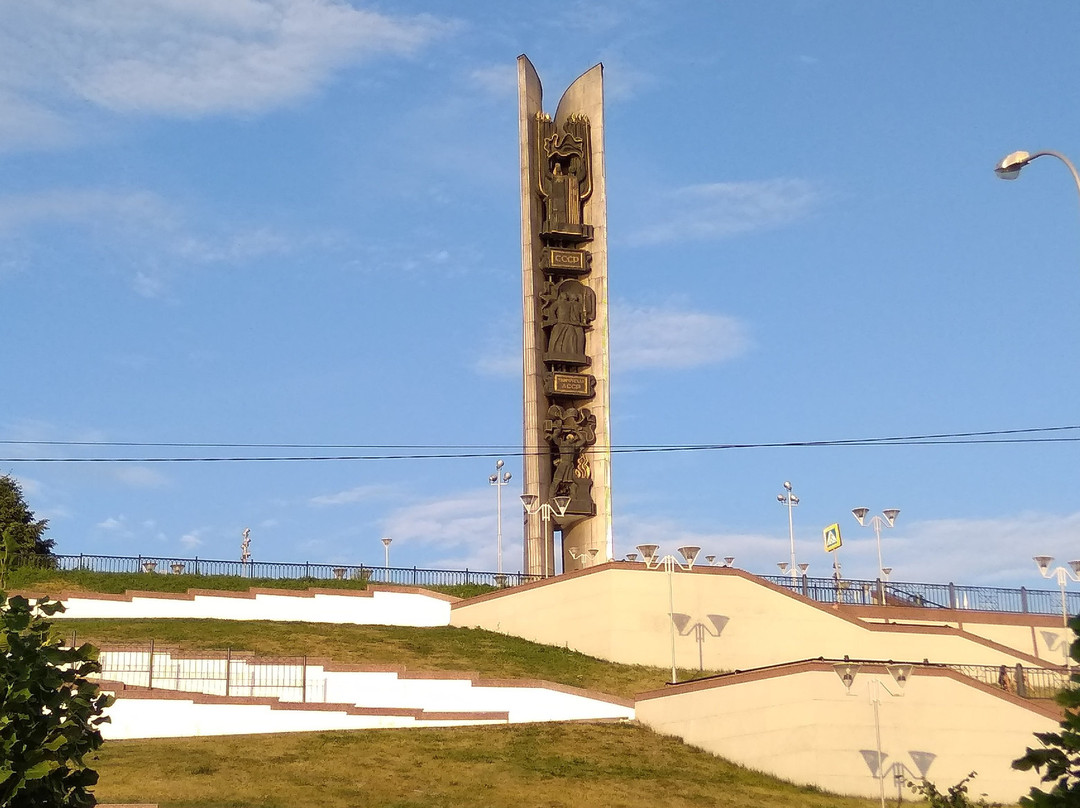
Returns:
<point x="189" y="59"/>
<point x="191" y="540"/>
<point x="361" y="493"/>
<point x="157" y="237"/>
<point x="497" y="81"/>
<point x="85" y="206"/>
<point x="499" y="364"/>
<point x="140" y="476"/>
<point x="673" y="338"/>
<point x="113" y="524"/>
<point x="989" y="552"/>
<point x="723" y="209"/>
<point x="670" y="337"/>
<point x="462" y="528"/>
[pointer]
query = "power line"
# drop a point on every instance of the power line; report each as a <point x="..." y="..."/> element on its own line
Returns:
<point x="457" y="451"/>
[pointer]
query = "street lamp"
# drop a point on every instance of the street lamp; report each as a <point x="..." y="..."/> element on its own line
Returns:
<point x="587" y="556"/>
<point x="788" y="498"/>
<point x="386" y="553"/>
<point x="669" y="563"/>
<point x="499" y="482"/>
<point x="1009" y="168"/>
<point x="547" y="512"/>
<point x="847" y="671"/>
<point x="1063" y="575"/>
<point x="887" y="519"/>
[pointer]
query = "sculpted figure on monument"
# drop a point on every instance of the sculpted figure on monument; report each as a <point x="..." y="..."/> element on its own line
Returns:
<point x="564" y="182"/>
<point x="569" y="431"/>
<point x="567" y="308"/>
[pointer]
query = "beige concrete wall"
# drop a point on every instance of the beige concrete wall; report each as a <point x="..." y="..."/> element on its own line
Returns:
<point x="1039" y="635"/>
<point x="804" y="727"/>
<point x="731" y="621"/>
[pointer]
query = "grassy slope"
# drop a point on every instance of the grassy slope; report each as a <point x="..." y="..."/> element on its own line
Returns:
<point x="562" y="766"/>
<point x="52" y="582"/>
<point x="442" y="648"/>
<point x="557" y="765"/>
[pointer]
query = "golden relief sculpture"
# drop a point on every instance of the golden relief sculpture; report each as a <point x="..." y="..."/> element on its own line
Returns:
<point x="565" y="180"/>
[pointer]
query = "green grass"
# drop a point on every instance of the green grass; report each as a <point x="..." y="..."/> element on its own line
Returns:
<point x="421" y="649"/>
<point x="554" y="765"/>
<point x="52" y="582"/>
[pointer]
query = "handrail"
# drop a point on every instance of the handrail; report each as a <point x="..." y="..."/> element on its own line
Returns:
<point x="929" y="595"/>
<point x="173" y="565"/>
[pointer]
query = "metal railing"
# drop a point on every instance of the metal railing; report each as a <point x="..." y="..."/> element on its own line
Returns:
<point x="822" y="590"/>
<point x="931" y="596"/>
<point x="171" y="565"/>
<point x="216" y="673"/>
<point x="1028" y="683"/>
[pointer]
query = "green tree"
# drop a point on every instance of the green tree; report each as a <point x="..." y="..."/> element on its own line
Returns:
<point x="20" y="530"/>
<point x="956" y="797"/>
<point x="1060" y="751"/>
<point x="49" y="711"/>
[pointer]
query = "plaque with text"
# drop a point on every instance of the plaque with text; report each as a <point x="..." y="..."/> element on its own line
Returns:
<point x="570" y="385"/>
<point x="567" y="262"/>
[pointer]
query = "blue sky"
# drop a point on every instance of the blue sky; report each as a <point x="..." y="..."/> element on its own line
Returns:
<point x="296" y="222"/>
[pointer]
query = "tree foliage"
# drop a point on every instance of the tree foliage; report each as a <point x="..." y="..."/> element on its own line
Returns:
<point x="22" y="533"/>
<point x="1058" y="760"/>
<point x="49" y="711"/>
<point x="956" y="797"/>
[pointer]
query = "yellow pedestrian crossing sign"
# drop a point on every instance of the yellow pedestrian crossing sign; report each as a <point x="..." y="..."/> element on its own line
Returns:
<point x="831" y="534"/>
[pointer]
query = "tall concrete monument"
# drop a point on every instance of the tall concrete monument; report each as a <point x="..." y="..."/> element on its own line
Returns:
<point x="567" y="463"/>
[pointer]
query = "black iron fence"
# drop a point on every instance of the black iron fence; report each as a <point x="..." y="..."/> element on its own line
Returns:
<point x="823" y="590"/>
<point x="931" y="596"/>
<point x="170" y="565"/>
<point x="1029" y="683"/>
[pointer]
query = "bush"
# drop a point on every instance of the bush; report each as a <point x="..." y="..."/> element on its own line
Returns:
<point x="1060" y="752"/>
<point x="957" y="796"/>
<point x="49" y="711"/>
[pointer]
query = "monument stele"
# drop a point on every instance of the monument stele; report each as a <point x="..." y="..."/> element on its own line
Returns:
<point x="567" y="443"/>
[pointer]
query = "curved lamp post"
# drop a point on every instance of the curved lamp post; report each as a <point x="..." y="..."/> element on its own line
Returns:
<point x="1063" y="575"/>
<point x="888" y="519"/>
<point x="669" y="563"/>
<point x="788" y="498"/>
<point x="1010" y="166"/>
<point x="900" y="673"/>
<point x="547" y="513"/>
<point x="499" y="481"/>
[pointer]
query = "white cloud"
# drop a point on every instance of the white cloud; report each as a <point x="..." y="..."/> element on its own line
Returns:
<point x="191" y="540"/>
<point x="498" y="80"/>
<point x="362" y="493"/>
<point x="669" y="337"/>
<point x="113" y="524"/>
<point x="499" y="365"/>
<point x="462" y="526"/>
<point x="980" y="552"/>
<point x="139" y="476"/>
<point x="24" y="123"/>
<point x="156" y="237"/>
<point x="993" y="552"/>
<point x="666" y="336"/>
<point x="188" y="58"/>
<point x="722" y="209"/>
<point x="747" y="548"/>
<point x="85" y="206"/>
